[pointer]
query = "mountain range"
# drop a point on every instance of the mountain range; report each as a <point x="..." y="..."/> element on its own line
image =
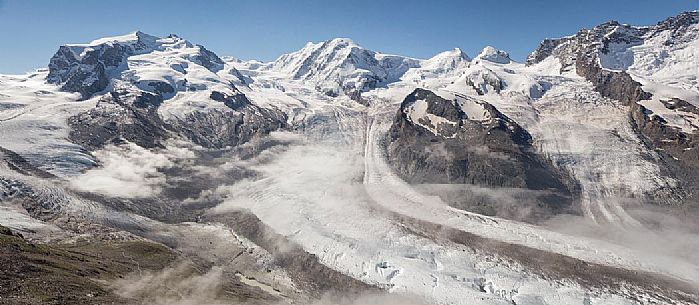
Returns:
<point x="341" y="175"/>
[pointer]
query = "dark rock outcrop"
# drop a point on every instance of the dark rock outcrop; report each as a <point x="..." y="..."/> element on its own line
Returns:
<point x="208" y="59"/>
<point x="219" y="129"/>
<point x="86" y="70"/>
<point x="118" y="116"/>
<point x="133" y="116"/>
<point x="236" y="101"/>
<point x="492" y="153"/>
<point x="484" y="81"/>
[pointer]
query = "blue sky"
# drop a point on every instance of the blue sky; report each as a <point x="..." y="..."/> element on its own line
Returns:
<point x="32" y="30"/>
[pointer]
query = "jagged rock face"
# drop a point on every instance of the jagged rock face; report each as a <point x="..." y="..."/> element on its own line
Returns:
<point x="208" y="59"/>
<point x="680" y="151"/>
<point x="595" y="55"/>
<point x="586" y="43"/>
<point x="236" y="101"/>
<point x="134" y="117"/>
<point x="66" y="69"/>
<point x="591" y="45"/>
<point x="677" y="25"/>
<point x="90" y="68"/>
<point x="219" y="129"/>
<point x="84" y="68"/>
<point x="434" y="141"/>
<point x="120" y="116"/>
<point x="545" y="49"/>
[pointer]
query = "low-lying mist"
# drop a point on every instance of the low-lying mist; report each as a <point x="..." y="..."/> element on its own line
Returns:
<point x="329" y="177"/>
<point x="178" y="285"/>
<point x="661" y="234"/>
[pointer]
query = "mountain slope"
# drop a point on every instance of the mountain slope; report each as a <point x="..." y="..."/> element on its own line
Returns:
<point x="339" y="66"/>
<point x="465" y="141"/>
<point x="137" y="88"/>
<point x="650" y="70"/>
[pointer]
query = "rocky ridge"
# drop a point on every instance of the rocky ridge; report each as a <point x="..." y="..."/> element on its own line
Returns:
<point x="586" y="51"/>
<point x="434" y="140"/>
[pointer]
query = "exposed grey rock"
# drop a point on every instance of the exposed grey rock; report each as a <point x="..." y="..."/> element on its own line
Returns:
<point x="545" y="49"/>
<point x="680" y="105"/>
<point x="66" y="70"/>
<point x="218" y="129"/>
<point x="86" y="70"/>
<point x="496" y="153"/>
<point x="161" y="88"/>
<point x="129" y="113"/>
<point x="208" y="59"/>
<point x="485" y="80"/>
<point x="118" y="116"/>
<point x="236" y="102"/>
<point x="678" y="150"/>
<point x="677" y="25"/>
<point x="133" y="116"/>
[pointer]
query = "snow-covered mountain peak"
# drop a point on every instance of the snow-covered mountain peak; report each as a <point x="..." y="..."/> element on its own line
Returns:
<point x="494" y="55"/>
<point x="456" y="52"/>
<point x="441" y="141"/>
<point x="448" y="57"/>
<point x="340" y="66"/>
<point x="331" y="53"/>
<point x="613" y="36"/>
<point x="131" y="38"/>
<point x="341" y="42"/>
<point x="438" y="69"/>
<point x="151" y="63"/>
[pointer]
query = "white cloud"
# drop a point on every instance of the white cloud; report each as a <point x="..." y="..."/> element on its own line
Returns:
<point x="130" y="171"/>
<point x="178" y="285"/>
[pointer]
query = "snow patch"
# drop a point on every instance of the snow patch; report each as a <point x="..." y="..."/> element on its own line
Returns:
<point x="417" y="114"/>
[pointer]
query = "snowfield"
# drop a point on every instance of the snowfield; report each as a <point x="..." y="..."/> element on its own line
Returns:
<point x="662" y="69"/>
